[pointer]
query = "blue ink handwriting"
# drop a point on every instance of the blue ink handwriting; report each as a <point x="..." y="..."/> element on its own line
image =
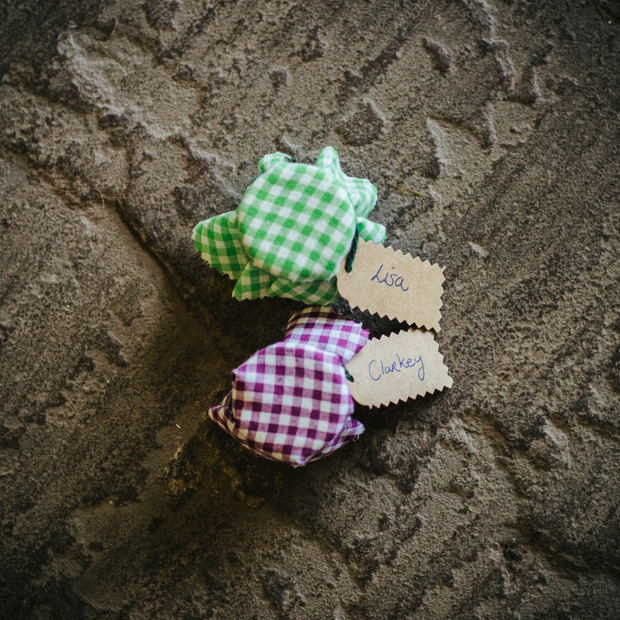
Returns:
<point x="390" y="279"/>
<point x="379" y="369"/>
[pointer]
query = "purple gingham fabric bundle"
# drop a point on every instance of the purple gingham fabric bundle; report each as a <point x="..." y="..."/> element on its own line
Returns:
<point x="291" y="401"/>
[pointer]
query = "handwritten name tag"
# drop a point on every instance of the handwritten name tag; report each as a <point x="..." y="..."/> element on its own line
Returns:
<point x="393" y="284"/>
<point x="398" y="367"/>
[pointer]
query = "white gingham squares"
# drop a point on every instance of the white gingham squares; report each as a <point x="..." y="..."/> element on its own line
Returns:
<point x="292" y="229"/>
<point x="291" y="402"/>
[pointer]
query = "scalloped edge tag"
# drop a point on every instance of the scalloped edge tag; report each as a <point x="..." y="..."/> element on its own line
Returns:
<point x="393" y="284"/>
<point x="397" y="367"/>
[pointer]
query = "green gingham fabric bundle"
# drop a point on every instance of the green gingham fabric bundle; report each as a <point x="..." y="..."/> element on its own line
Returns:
<point x="292" y="229"/>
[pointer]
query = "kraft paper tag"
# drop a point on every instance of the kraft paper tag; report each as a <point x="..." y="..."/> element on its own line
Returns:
<point x="393" y="284"/>
<point x="397" y="367"/>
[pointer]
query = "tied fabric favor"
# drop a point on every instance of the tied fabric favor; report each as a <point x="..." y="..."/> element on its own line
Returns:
<point x="291" y="401"/>
<point x="294" y="226"/>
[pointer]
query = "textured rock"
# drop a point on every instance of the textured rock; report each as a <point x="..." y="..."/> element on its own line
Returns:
<point x="442" y="59"/>
<point x="122" y="124"/>
<point x="364" y="127"/>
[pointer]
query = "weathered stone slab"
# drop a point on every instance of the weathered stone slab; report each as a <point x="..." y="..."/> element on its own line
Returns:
<point x="122" y="125"/>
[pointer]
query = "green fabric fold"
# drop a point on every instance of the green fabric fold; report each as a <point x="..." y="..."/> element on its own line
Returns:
<point x="292" y="230"/>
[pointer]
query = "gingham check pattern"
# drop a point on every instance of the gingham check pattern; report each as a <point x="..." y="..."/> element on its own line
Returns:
<point x="362" y="193"/>
<point x="318" y="292"/>
<point x="292" y="229"/>
<point x="296" y="222"/>
<point x="219" y="239"/>
<point x="325" y="329"/>
<point x="291" y="402"/>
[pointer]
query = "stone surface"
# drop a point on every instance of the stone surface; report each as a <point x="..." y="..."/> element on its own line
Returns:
<point x="124" y="123"/>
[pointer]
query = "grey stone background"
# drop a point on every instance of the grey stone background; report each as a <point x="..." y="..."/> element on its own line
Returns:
<point x="124" y="123"/>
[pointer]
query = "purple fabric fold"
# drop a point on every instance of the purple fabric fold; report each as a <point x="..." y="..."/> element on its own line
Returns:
<point x="291" y="401"/>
